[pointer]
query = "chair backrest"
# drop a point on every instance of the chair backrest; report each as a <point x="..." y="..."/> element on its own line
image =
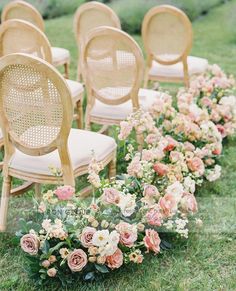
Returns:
<point x="91" y="15"/>
<point x="19" y="36"/>
<point x="113" y="66"/>
<point x="36" y="110"/>
<point x="22" y="10"/>
<point x="167" y="34"/>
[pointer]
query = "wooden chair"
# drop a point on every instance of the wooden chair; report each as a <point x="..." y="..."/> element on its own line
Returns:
<point x="36" y="114"/>
<point x="27" y="38"/>
<point x="113" y="73"/>
<point x="167" y="38"/>
<point x="25" y="11"/>
<point x="89" y="16"/>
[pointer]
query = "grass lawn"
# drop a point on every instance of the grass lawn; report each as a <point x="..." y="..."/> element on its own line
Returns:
<point x="207" y="260"/>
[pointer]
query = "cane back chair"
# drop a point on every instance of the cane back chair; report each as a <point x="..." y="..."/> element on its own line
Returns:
<point x="89" y="16"/>
<point x="167" y="38"/>
<point x="113" y="73"/>
<point x="25" y="11"/>
<point x="36" y="113"/>
<point x="27" y="38"/>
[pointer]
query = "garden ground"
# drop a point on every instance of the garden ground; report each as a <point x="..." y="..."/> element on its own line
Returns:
<point x="207" y="260"/>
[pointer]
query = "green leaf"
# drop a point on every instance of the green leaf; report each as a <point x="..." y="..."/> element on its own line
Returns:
<point x="46" y="247"/>
<point x="102" y="268"/>
<point x="57" y="247"/>
<point x="89" y="276"/>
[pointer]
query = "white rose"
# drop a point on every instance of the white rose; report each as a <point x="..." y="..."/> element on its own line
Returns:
<point x="100" y="238"/>
<point x="189" y="184"/>
<point x="176" y="189"/>
<point x="127" y="204"/>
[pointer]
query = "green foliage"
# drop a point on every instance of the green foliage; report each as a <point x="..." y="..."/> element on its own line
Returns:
<point x="131" y="12"/>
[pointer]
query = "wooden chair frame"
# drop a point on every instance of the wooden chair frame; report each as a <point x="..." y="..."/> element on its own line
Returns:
<point x="43" y="40"/>
<point x="91" y="92"/>
<point x="59" y="143"/>
<point x="80" y="40"/>
<point x="38" y="21"/>
<point x="151" y="56"/>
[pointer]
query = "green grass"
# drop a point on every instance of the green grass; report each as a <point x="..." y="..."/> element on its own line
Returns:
<point x="207" y="260"/>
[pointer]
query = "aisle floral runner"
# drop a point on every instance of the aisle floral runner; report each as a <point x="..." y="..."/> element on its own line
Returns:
<point x="132" y="215"/>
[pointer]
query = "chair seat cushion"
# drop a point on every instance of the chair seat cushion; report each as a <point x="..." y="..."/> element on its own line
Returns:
<point x="60" y="56"/>
<point x="122" y="111"/>
<point x="195" y="66"/>
<point x="76" y="88"/>
<point x="81" y="143"/>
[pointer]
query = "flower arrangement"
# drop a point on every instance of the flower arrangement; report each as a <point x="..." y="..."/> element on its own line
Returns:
<point x="133" y="214"/>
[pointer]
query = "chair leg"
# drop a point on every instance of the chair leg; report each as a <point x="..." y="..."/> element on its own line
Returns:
<point x="112" y="168"/>
<point x="38" y="189"/>
<point x="6" y="189"/>
<point x="79" y="108"/>
<point x="146" y="79"/>
<point x="66" y="66"/>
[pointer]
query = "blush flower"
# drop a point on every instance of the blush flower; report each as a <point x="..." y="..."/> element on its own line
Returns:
<point x="115" y="261"/>
<point x="188" y="203"/>
<point x="128" y="233"/>
<point x="87" y="236"/>
<point x="161" y="169"/>
<point x="30" y="244"/>
<point x="152" y="241"/>
<point x="154" y="217"/>
<point x="196" y="165"/>
<point x="111" y="196"/>
<point x="77" y="260"/>
<point x="65" y="192"/>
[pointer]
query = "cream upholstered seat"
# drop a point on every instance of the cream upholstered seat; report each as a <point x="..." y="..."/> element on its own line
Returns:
<point x="27" y="38"/>
<point x="60" y="56"/>
<point x="196" y="66"/>
<point x="36" y="115"/>
<point x="121" y="111"/>
<point x="81" y="144"/>
<point x="113" y="72"/>
<point x="89" y="16"/>
<point x="25" y="11"/>
<point x="167" y="38"/>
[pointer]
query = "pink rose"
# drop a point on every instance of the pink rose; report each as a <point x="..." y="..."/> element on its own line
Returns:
<point x="154" y="217"/>
<point x="128" y="233"/>
<point x="65" y="192"/>
<point x="151" y="138"/>
<point x="196" y="165"/>
<point x="111" y="196"/>
<point x="188" y="203"/>
<point x="115" y="261"/>
<point x="175" y="156"/>
<point x="161" y="169"/>
<point x="46" y="264"/>
<point x="152" y="241"/>
<point x="87" y="236"/>
<point x="77" y="260"/>
<point x="168" y="204"/>
<point x="221" y="130"/>
<point x="150" y="191"/>
<point x="217" y="150"/>
<point x="205" y="101"/>
<point x="30" y="244"/>
<point x="188" y="146"/>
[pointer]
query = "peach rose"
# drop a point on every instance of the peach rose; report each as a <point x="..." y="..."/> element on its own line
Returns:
<point x="111" y="196"/>
<point x="52" y="272"/>
<point x="188" y="203"/>
<point x="188" y="146"/>
<point x="46" y="264"/>
<point x="168" y="204"/>
<point x="77" y="260"/>
<point x="171" y="144"/>
<point x="154" y="217"/>
<point x="152" y="241"/>
<point x="65" y="192"/>
<point x="196" y="165"/>
<point x="30" y="244"/>
<point x="87" y="236"/>
<point x="128" y="233"/>
<point x="115" y="261"/>
<point x="160" y="169"/>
